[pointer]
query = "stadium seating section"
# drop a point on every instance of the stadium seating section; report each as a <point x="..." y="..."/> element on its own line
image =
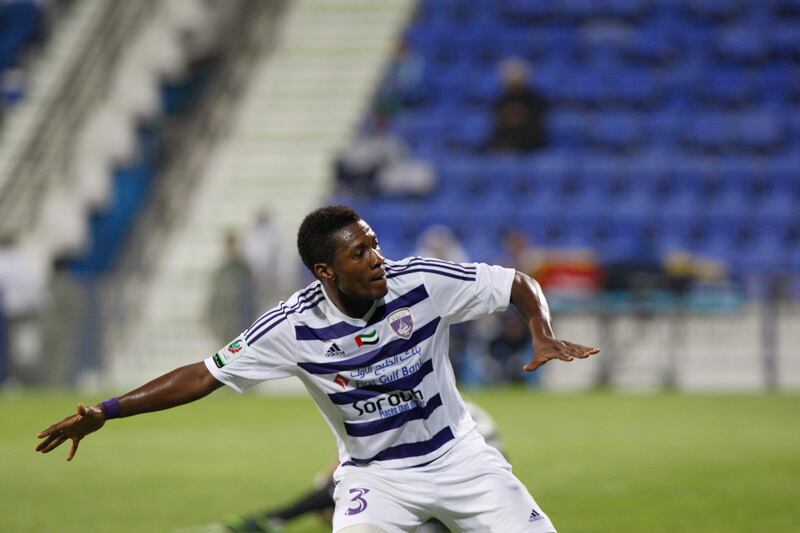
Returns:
<point x="21" y="24"/>
<point x="673" y="125"/>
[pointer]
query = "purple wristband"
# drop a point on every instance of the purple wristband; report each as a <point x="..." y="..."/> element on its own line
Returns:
<point x="111" y="408"/>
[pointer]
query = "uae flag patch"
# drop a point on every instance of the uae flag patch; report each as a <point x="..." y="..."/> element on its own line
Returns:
<point x="367" y="338"/>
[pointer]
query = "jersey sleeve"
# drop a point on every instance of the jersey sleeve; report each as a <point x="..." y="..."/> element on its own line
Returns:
<point x="466" y="291"/>
<point x="261" y="353"/>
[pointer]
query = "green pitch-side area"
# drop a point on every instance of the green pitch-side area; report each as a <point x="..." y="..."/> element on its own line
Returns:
<point x="600" y="462"/>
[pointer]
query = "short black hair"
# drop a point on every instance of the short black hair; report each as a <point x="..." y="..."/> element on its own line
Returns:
<point x="315" y="237"/>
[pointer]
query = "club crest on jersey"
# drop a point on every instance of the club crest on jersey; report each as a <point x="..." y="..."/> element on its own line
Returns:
<point x="402" y="322"/>
<point x="367" y="338"/>
<point x="334" y="351"/>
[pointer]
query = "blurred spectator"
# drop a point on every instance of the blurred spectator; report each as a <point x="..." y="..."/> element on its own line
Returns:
<point x="571" y="273"/>
<point x="509" y="349"/>
<point x="684" y="271"/>
<point x="406" y="178"/>
<point x="358" y="165"/>
<point x="520" y="112"/>
<point x="67" y="305"/>
<point x="565" y="272"/>
<point x="12" y="86"/>
<point x="231" y="306"/>
<point x="520" y="254"/>
<point x="262" y="249"/>
<point x="22" y="297"/>
<point x="404" y="83"/>
<point x="441" y="242"/>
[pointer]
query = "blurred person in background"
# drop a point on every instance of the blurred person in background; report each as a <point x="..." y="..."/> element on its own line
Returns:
<point x="520" y="113"/>
<point x="231" y="304"/>
<point x="22" y="297"/>
<point x="359" y="163"/>
<point x="441" y="242"/>
<point x="404" y="83"/>
<point x="417" y="431"/>
<point x="508" y="348"/>
<point x="520" y="253"/>
<point x="262" y="249"/>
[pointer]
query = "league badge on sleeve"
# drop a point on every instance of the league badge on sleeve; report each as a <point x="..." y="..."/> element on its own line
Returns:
<point x="230" y="352"/>
<point x="402" y="322"/>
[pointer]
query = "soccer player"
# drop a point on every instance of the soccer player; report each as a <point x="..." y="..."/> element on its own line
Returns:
<point x="368" y="340"/>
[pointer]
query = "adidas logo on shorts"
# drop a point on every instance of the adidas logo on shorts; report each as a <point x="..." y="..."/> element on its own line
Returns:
<point x="535" y="516"/>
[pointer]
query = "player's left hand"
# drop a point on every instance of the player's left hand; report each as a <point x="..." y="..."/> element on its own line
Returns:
<point x="86" y="420"/>
<point x="548" y="349"/>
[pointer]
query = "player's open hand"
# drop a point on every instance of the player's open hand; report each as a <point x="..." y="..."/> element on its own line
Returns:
<point x="75" y="427"/>
<point x="549" y="349"/>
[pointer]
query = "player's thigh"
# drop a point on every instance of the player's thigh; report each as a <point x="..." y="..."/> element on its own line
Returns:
<point x="367" y="502"/>
<point x="498" y="503"/>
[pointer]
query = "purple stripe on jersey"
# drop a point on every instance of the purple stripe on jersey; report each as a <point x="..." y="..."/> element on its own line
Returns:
<point x="413" y="270"/>
<point x="283" y="317"/>
<point x="275" y="311"/>
<point x="365" y="429"/>
<point x="303" y="297"/>
<point x="342" y="329"/>
<point x="412" y="449"/>
<point x="446" y="265"/>
<point x="389" y="349"/>
<point x="402" y="384"/>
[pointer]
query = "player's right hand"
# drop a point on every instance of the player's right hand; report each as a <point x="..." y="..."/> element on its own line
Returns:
<point x="75" y="427"/>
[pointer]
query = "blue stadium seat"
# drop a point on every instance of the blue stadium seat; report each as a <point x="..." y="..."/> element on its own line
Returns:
<point x="710" y="131"/>
<point x="715" y="10"/>
<point x="732" y="87"/>
<point x="762" y="130"/>
<point x="778" y="81"/>
<point x="567" y="128"/>
<point x="784" y="39"/>
<point x="517" y="11"/>
<point x="652" y="44"/>
<point x="742" y="43"/>
<point x="471" y="131"/>
<point x="641" y="88"/>
<point x="616" y="131"/>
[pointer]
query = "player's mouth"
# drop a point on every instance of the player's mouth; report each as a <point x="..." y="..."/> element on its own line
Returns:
<point x="379" y="278"/>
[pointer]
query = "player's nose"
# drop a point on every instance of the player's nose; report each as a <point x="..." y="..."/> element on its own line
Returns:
<point x="377" y="259"/>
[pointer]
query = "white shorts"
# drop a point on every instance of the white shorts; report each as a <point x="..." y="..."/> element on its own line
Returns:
<point x="470" y="488"/>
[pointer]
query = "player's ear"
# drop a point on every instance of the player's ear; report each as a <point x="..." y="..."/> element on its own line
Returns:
<point x="324" y="271"/>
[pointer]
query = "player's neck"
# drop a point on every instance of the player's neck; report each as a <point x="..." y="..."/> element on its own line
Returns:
<point x="352" y="306"/>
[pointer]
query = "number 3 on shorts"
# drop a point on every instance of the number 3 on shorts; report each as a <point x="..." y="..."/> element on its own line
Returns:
<point x="358" y="500"/>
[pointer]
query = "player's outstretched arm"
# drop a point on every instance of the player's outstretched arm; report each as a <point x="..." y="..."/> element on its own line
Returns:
<point x="528" y="298"/>
<point x="182" y="385"/>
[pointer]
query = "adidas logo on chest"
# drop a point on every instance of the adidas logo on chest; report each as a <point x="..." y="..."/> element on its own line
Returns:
<point x="334" y="351"/>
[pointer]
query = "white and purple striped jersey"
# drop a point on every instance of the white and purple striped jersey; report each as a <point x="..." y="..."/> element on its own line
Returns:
<point x="384" y="382"/>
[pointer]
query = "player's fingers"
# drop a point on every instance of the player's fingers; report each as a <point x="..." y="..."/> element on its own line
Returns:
<point x="580" y="351"/>
<point x="54" y="444"/>
<point x="536" y="363"/>
<point x="46" y="442"/>
<point x="73" y="449"/>
<point x="46" y="432"/>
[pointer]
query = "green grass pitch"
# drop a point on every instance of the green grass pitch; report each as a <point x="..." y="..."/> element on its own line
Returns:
<point x="599" y="462"/>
